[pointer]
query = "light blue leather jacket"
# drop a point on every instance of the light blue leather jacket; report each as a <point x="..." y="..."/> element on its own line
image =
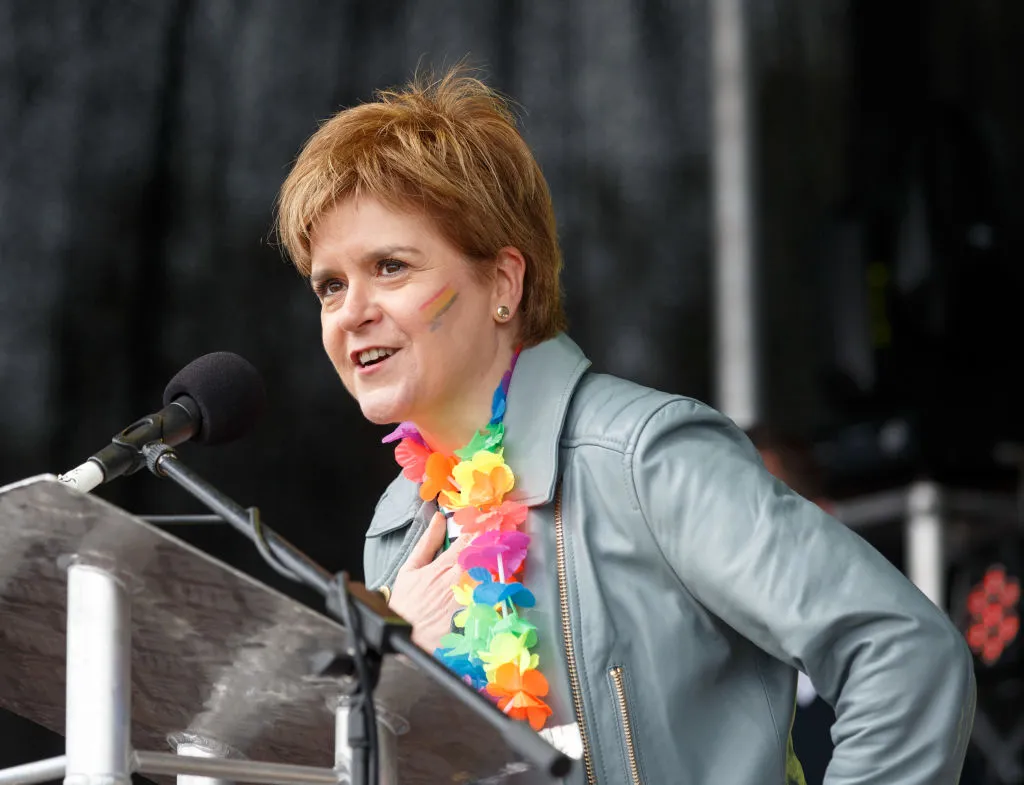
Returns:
<point x="680" y="586"/>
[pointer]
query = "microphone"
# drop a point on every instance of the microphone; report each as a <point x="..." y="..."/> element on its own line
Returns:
<point x="214" y="399"/>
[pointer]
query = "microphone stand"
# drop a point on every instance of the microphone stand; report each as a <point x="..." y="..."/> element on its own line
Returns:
<point x="375" y="629"/>
<point x="182" y="520"/>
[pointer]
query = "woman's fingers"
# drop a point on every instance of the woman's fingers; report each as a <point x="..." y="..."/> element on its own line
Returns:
<point x="422" y="593"/>
<point x="450" y="557"/>
<point x="430" y="542"/>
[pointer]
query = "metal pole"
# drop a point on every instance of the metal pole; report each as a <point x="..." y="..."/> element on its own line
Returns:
<point x="389" y="728"/>
<point x="35" y="772"/>
<point x="925" y="542"/>
<point x="242" y="770"/>
<point x="342" y="749"/>
<point x="98" y="709"/>
<point x="737" y="371"/>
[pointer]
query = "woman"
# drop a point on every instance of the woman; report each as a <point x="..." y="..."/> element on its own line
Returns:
<point x="605" y="561"/>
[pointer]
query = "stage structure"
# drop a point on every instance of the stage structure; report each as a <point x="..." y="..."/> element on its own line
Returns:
<point x="738" y="364"/>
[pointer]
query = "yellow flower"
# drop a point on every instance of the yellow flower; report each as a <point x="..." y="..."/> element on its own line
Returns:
<point x="463" y="590"/>
<point x="483" y="482"/>
<point x="506" y="648"/>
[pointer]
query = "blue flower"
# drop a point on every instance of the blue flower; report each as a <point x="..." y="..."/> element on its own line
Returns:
<point x="493" y="593"/>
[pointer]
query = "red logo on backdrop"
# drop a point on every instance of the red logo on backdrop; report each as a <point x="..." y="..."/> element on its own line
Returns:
<point x="994" y="608"/>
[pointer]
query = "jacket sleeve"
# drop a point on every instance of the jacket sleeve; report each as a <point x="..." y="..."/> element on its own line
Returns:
<point x="810" y="592"/>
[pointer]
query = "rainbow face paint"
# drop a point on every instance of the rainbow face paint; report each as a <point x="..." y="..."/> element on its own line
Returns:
<point x="434" y="308"/>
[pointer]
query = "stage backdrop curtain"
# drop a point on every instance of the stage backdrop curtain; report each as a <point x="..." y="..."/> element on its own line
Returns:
<point x="142" y="146"/>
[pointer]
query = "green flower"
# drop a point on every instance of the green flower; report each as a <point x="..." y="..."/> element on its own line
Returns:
<point x="489" y="439"/>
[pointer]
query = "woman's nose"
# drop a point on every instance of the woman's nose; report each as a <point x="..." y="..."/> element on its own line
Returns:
<point x="359" y="309"/>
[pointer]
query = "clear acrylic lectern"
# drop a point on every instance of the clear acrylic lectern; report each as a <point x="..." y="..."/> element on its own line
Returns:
<point x="151" y="657"/>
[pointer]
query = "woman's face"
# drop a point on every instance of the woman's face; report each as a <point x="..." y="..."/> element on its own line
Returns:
<point x="408" y="325"/>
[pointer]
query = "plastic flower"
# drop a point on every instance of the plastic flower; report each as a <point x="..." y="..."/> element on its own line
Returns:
<point x="490" y="439"/>
<point x="507" y="649"/>
<point x="514" y="624"/>
<point x="483" y="481"/>
<point x="460" y="660"/>
<point x="494" y="593"/>
<point x="405" y="430"/>
<point x="500" y="399"/>
<point x="412" y="457"/>
<point x="492" y="550"/>
<point x="476" y="621"/>
<point x="519" y="694"/>
<point x="463" y="590"/>
<point x="471" y="671"/>
<point x="437" y="476"/>
<point x="498" y="593"/>
<point x="508" y="516"/>
<point x="453" y="644"/>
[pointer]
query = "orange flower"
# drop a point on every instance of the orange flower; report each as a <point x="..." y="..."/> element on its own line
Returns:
<point x="518" y="694"/>
<point x="436" y="477"/>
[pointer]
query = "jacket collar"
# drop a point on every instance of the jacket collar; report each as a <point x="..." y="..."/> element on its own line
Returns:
<point x="538" y="400"/>
<point x="542" y="385"/>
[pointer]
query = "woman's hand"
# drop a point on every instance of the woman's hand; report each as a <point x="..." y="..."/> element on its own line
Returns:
<point x="422" y="593"/>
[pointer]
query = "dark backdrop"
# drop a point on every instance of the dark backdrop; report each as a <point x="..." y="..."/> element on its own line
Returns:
<point x="142" y="145"/>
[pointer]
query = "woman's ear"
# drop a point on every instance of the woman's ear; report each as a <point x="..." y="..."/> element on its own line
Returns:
<point x="509" y="272"/>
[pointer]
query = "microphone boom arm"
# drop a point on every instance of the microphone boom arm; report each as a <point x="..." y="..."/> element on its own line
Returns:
<point x="163" y="461"/>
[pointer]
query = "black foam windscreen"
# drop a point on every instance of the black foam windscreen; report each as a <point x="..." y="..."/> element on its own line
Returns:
<point x="228" y="391"/>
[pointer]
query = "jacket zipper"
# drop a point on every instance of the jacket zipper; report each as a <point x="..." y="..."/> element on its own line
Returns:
<point x="627" y="728"/>
<point x="570" y="650"/>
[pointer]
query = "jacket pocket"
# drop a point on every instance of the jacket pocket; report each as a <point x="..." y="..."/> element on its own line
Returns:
<point x="617" y="676"/>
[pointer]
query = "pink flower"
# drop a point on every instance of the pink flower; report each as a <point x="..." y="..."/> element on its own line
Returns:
<point x="412" y="457"/>
<point x="405" y="430"/>
<point x="506" y="517"/>
<point x="488" y="548"/>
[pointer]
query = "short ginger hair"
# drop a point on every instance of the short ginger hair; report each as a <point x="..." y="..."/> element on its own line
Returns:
<point x="450" y="149"/>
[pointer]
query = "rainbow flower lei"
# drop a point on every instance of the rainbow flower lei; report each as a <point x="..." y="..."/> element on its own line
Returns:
<point x="491" y="648"/>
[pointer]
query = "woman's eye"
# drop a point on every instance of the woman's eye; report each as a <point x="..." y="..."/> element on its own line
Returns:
<point x="390" y="266"/>
<point x="330" y="288"/>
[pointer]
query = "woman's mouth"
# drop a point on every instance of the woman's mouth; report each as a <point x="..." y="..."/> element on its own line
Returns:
<point x="369" y="359"/>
